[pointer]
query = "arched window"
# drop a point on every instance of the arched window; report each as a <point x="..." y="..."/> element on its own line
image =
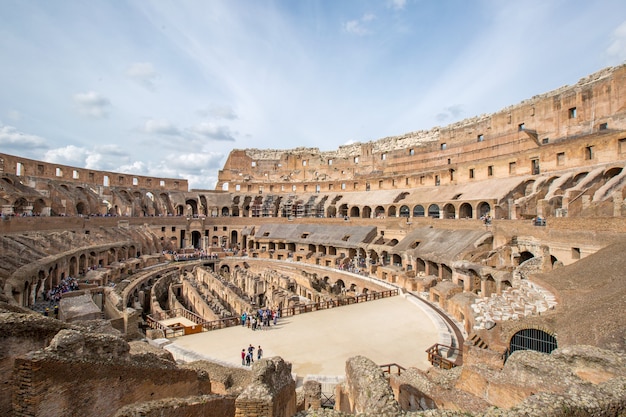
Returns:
<point x="532" y="339"/>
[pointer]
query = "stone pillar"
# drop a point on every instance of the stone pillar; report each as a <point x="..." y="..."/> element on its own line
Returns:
<point x="312" y="395"/>
<point x="618" y="200"/>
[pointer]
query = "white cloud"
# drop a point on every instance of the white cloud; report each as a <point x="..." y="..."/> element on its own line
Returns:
<point x="12" y="138"/>
<point x="219" y="112"/>
<point x="396" y="4"/>
<point x="359" y="26"/>
<point x="92" y="104"/>
<point x="105" y="158"/>
<point x="206" y="130"/>
<point x="161" y="127"/>
<point x="143" y="73"/>
<point x="67" y="155"/>
<point x="617" y="49"/>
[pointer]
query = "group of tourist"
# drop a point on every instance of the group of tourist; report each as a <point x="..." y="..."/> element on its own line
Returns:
<point x="66" y="285"/>
<point x="247" y="357"/>
<point x="261" y="320"/>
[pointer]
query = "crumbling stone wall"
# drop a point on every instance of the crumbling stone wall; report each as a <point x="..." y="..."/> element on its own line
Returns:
<point x="93" y="374"/>
<point x="272" y="392"/>
<point x="365" y="389"/>
<point x="197" y="406"/>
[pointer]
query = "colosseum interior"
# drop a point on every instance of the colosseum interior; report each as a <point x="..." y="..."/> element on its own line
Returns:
<point x="511" y="226"/>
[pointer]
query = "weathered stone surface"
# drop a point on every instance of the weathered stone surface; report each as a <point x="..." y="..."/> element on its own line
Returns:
<point x="367" y="388"/>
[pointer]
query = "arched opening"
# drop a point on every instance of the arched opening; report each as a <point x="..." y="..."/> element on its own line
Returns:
<point x="404" y="211"/>
<point x="483" y="209"/>
<point x="465" y="211"/>
<point x="339" y="287"/>
<point x="81" y="208"/>
<point x="355" y="212"/>
<point x="449" y="211"/>
<point x="366" y="213"/>
<point x="225" y="212"/>
<point x="531" y="339"/>
<point x="524" y="256"/>
<point x="391" y="211"/>
<point x="331" y="211"/>
<point x="418" y="211"/>
<point x="234" y="239"/>
<point x="433" y="211"/>
<point x="379" y="212"/>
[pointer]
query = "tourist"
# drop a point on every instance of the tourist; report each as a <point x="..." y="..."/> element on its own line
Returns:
<point x="251" y="352"/>
<point x="248" y="359"/>
<point x="243" y="356"/>
<point x="259" y="353"/>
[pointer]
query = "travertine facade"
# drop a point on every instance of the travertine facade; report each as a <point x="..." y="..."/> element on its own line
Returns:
<point x="511" y="225"/>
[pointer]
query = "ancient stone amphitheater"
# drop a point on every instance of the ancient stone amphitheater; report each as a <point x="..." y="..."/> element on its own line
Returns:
<point x="510" y="226"/>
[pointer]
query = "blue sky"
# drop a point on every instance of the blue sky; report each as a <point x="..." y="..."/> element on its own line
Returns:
<point x="169" y="88"/>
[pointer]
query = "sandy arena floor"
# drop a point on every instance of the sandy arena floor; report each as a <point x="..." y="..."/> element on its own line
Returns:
<point x="390" y="330"/>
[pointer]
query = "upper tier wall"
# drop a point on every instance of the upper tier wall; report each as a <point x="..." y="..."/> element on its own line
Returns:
<point x="25" y="167"/>
<point x="595" y="104"/>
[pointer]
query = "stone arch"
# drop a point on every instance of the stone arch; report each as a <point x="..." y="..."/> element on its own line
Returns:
<point x="483" y="209"/>
<point x="331" y="211"/>
<point x="373" y="255"/>
<point x="191" y="207"/>
<point x="234" y="238"/>
<point x="391" y="211"/>
<point x="418" y="211"/>
<point x="524" y="256"/>
<point x="39" y="207"/>
<point x="338" y="287"/>
<point x="366" y="213"/>
<point x="81" y="209"/>
<point x="433" y="211"/>
<point x="355" y="212"/>
<point x="396" y="260"/>
<point x="21" y="206"/>
<point x="379" y="212"/>
<point x="466" y="211"/>
<point x="612" y="172"/>
<point x="343" y="210"/>
<point x="449" y="211"/>
<point x="225" y="211"/>
<point x="73" y="267"/>
<point x="405" y="211"/>
<point x="532" y="338"/>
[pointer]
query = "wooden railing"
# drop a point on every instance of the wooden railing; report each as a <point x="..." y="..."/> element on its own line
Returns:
<point x="387" y="368"/>
<point x="444" y="356"/>
<point x="153" y="321"/>
<point x="307" y="308"/>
